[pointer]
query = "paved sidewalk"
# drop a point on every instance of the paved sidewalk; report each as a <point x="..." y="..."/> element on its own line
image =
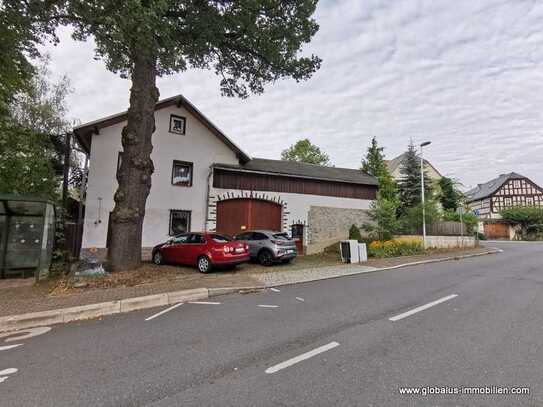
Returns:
<point x="51" y="295"/>
<point x="320" y="273"/>
<point x="25" y="299"/>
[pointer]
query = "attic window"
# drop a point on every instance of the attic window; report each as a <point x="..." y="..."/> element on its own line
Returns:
<point x="177" y="124"/>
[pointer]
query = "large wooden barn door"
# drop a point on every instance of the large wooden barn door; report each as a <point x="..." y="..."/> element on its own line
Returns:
<point x="496" y="230"/>
<point x="237" y="215"/>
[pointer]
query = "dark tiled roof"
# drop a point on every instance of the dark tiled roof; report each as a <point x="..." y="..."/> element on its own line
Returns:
<point x="484" y="190"/>
<point x="303" y="170"/>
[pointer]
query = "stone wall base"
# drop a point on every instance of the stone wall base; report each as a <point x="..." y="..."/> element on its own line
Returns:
<point x="100" y="253"/>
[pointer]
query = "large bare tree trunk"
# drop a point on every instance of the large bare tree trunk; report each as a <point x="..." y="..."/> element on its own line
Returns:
<point x="134" y="176"/>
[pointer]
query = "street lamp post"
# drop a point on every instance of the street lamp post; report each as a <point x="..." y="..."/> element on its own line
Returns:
<point x="426" y="143"/>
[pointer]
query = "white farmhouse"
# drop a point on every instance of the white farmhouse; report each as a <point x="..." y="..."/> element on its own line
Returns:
<point x="395" y="168"/>
<point x="203" y="181"/>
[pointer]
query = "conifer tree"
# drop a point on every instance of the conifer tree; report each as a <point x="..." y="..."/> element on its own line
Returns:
<point x="409" y="186"/>
<point x="383" y="210"/>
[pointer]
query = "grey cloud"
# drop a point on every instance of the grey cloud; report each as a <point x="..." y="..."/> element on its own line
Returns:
<point x="466" y="75"/>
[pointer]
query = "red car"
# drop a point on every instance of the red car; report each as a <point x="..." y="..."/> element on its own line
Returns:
<point x="203" y="250"/>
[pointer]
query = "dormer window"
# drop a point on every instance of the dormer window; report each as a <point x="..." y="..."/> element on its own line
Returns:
<point x="177" y="124"/>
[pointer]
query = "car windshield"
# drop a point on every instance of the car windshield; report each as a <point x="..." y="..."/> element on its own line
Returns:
<point x="281" y="236"/>
<point x="221" y="238"/>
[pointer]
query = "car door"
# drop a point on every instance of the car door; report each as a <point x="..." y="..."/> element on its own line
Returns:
<point x="258" y="242"/>
<point x="175" y="250"/>
<point x="195" y="247"/>
<point x="247" y="237"/>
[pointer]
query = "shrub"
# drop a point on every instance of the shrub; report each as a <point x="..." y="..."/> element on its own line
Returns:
<point x="411" y="221"/>
<point x="354" y="233"/>
<point x="383" y="216"/>
<point x="470" y="220"/>
<point x="529" y="218"/>
<point x="395" y="247"/>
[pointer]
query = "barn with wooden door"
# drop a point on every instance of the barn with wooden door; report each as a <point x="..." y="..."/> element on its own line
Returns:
<point x="315" y="204"/>
<point x="203" y="181"/>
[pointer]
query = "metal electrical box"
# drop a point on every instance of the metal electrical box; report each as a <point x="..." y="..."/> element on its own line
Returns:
<point x="349" y="251"/>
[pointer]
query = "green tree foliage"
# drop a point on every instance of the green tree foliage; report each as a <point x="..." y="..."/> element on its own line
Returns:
<point x="248" y="43"/>
<point x="374" y="164"/>
<point x="449" y="195"/>
<point x="530" y="219"/>
<point x="25" y="165"/>
<point x="384" y="221"/>
<point x="411" y="221"/>
<point x="383" y="210"/>
<point x="410" y="183"/>
<point x="16" y="45"/>
<point x="374" y="161"/>
<point x="306" y="152"/>
<point x="32" y="137"/>
<point x="42" y="108"/>
<point x="469" y="219"/>
<point x="354" y="233"/>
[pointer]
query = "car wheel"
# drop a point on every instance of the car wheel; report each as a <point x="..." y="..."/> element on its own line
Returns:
<point x="204" y="265"/>
<point x="265" y="258"/>
<point x="157" y="258"/>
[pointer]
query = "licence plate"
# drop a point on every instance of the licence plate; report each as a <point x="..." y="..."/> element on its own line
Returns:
<point x="290" y="251"/>
<point x="240" y="250"/>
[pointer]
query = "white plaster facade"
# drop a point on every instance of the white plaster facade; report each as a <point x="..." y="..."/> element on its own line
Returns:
<point x="199" y="146"/>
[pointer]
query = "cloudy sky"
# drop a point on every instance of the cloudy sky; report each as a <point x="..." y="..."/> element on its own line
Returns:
<point x="465" y="74"/>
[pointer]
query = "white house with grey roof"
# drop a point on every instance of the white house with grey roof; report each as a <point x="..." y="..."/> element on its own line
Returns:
<point x="489" y="199"/>
<point x="204" y="181"/>
<point x="395" y="167"/>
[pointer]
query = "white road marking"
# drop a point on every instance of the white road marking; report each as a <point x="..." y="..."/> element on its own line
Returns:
<point x="422" y="307"/>
<point x="301" y="357"/>
<point x="163" y="311"/>
<point x="268" y="306"/>
<point x="8" y="347"/>
<point x="5" y="372"/>
<point x="275" y="290"/>
<point x="24" y="333"/>
<point x="204" y="302"/>
<point x="300" y="299"/>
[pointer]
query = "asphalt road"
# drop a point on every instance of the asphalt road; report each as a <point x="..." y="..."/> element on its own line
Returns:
<point x="352" y="341"/>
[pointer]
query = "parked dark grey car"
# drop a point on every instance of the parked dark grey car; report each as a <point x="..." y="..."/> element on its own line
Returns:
<point x="269" y="247"/>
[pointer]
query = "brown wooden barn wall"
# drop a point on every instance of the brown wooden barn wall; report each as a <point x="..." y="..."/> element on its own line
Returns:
<point x="260" y="182"/>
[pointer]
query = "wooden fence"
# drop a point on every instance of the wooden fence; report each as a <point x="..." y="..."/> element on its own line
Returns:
<point x="446" y="228"/>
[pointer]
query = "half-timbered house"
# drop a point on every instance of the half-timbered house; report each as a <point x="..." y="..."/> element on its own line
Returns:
<point x="508" y="190"/>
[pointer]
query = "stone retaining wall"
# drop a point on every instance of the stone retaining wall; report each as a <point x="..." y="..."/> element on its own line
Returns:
<point x="447" y="242"/>
<point x="328" y="225"/>
<point x="101" y="253"/>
